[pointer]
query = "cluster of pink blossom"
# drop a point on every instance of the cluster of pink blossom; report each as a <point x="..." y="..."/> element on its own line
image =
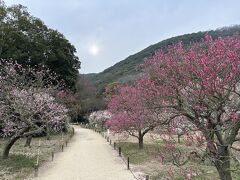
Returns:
<point x="135" y="111"/>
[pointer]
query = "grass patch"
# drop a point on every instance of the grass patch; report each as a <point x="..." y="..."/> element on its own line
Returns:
<point x="16" y="161"/>
<point x="146" y="160"/>
<point x="16" y="167"/>
<point x="21" y="161"/>
<point x="136" y="155"/>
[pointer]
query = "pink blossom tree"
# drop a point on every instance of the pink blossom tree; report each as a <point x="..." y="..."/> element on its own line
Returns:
<point x="201" y="83"/>
<point x="28" y="104"/>
<point x="132" y="112"/>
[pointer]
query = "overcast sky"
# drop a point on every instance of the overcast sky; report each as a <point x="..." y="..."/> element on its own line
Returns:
<point x="107" y="31"/>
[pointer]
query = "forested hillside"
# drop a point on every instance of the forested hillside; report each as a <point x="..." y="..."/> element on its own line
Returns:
<point x="127" y="69"/>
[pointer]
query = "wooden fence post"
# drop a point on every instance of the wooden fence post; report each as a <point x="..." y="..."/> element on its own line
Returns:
<point x="147" y="177"/>
<point x="52" y="155"/>
<point x="114" y="145"/>
<point x="35" y="170"/>
<point x="128" y="167"/>
<point x="120" y="151"/>
<point x="38" y="154"/>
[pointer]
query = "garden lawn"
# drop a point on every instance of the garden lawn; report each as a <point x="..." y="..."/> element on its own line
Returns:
<point x="21" y="161"/>
<point x="148" y="161"/>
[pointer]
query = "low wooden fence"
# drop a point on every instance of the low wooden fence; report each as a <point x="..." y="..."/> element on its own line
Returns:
<point x="126" y="160"/>
<point x="60" y="147"/>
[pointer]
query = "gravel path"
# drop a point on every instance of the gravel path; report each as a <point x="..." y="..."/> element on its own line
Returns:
<point x="87" y="157"/>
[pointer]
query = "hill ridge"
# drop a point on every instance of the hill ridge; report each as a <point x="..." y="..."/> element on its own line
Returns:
<point x="126" y="69"/>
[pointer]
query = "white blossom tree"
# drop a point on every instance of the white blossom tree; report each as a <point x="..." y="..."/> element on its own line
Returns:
<point x="27" y="103"/>
<point x="99" y="118"/>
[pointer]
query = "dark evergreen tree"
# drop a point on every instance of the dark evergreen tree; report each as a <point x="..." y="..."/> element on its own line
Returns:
<point x="27" y="40"/>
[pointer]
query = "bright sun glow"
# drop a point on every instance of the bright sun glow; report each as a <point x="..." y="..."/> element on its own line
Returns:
<point x="94" y="50"/>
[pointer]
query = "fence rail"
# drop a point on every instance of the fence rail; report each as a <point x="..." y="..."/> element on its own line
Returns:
<point x="60" y="147"/>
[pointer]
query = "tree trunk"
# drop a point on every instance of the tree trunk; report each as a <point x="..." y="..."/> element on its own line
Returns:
<point x="223" y="163"/>
<point x="48" y="132"/>
<point x="11" y="141"/>
<point x="8" y="146"/>
<point x="140" y="140"/>
<point x="179" y="137"/>
<point x="28" y="142"/>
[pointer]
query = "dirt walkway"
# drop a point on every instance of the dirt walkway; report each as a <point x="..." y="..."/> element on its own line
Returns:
<point x="88" y="157"/>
